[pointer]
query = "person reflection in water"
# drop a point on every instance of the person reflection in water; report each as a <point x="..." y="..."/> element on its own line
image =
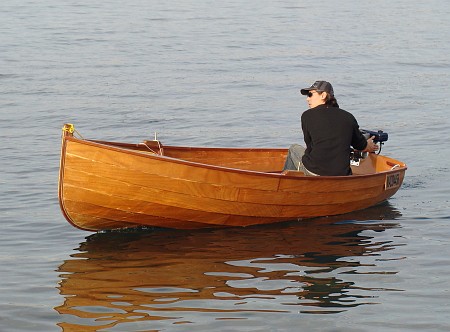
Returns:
<point x="329" y="133"/>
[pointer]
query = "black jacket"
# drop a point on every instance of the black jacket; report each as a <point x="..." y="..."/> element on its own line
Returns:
<point x="329" y="132"/>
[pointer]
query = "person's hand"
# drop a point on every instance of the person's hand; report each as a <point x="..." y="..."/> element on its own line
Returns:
<point x="371" y="146"/>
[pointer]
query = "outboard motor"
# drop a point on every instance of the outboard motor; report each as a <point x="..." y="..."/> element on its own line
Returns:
<point x="380" y="138"/>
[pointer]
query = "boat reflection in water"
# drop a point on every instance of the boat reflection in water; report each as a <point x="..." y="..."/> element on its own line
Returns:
<point x="154" y="279"/>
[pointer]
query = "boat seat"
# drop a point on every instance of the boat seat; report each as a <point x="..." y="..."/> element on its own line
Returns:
<point x="293" y="173"/>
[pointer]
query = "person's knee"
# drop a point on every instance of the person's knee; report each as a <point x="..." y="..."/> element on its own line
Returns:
<point x="297" y="150"/>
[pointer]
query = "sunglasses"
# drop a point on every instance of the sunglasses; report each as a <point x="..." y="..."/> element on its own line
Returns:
<point x="310" y="94"/>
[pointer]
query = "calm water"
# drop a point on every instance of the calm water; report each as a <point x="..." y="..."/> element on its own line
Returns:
<point x="223" y="74"/>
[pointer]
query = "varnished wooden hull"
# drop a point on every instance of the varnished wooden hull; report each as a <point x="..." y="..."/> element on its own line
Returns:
<point x="106" y="185"/>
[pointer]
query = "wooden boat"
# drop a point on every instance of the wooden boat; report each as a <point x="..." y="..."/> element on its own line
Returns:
<point x="109" y="185"/>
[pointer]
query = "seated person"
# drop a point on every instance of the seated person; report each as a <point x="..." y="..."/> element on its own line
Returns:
<point x="329" y="133"/>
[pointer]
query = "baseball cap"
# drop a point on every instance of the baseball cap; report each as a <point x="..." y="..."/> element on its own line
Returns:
<point x="320" y="86"/>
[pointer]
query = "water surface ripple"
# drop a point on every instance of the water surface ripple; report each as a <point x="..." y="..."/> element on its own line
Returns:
<point x="223" y="74"/>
